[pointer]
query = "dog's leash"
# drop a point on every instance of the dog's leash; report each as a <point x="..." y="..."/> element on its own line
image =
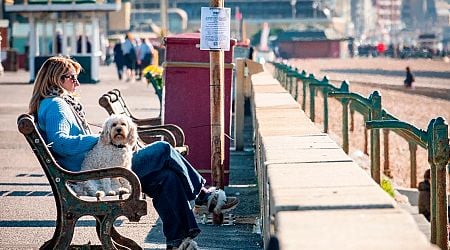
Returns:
<point x="95" y="125"/>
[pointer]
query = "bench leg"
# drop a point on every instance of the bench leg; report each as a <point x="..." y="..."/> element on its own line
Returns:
<point x="62" y="237"/>
<point x="119" y="241"/>
<point x="124" y="241"/>
<point x="104" y="226"/>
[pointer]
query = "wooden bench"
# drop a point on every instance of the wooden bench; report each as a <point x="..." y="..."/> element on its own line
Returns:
<point x="148" y="128"/>
<point x="71" y="207"/>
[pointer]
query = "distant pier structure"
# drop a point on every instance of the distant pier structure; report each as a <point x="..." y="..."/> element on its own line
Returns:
<point x="65" y="27"/>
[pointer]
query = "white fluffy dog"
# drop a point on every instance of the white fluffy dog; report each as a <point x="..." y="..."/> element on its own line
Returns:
<point x="114" y="149"/>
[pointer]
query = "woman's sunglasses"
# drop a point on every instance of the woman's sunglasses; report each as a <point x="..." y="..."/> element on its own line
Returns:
<point x="74" y="78"/>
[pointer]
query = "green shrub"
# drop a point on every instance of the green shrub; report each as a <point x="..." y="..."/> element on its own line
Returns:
<point x="386" y="185"/>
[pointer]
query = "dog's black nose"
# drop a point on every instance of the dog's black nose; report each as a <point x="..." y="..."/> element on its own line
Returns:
<point x="118" y="130"/>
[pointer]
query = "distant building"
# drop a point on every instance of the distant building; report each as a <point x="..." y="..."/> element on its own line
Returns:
<point x="419" y="14"/>
<point x="311" y="44"/>
<point x="388" y="13"/>
<point x="363" y="17"/>
<point x="251" y="9"/>
<point x="278" y="13"/>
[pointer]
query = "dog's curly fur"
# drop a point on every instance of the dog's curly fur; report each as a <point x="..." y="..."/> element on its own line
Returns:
<point x="114" y="149"/>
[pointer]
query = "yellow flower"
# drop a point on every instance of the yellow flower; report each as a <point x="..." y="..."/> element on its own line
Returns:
<point x="154" y="70"/>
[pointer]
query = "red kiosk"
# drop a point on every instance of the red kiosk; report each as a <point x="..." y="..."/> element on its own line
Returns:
<point x="187" y="96"/>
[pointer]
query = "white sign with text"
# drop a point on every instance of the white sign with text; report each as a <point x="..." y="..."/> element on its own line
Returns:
<point x="215" y="28"/>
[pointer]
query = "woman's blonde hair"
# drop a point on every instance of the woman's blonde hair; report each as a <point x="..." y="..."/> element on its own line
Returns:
<point x="49" y="79"/>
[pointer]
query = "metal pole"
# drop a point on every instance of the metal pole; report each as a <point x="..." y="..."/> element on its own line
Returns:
<point x="33" y="42"/>
<point x="312" y="103"/>
<point x="325" y="82"/>
<point x="366" y="144"/>
<point x="386" y="169"/>
<point x="375" y="114"/>
<point x="433" y="186"/>
<point x="345" y="101"/>
<point x="311" y="98"/>
<point x="216" y="59"/>
<point x="413" y="164"/>
<point x="163" y="7"/>
<point x="438" y="139"/>
<point x="352" y="120"/>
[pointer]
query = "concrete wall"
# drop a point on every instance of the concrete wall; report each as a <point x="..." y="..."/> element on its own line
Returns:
<point x="313" y="196"/>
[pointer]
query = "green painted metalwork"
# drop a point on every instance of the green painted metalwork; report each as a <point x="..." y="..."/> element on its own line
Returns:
<point x="301" y="76"/>
<point x="323" y="86"/>
<point x="305" y="81"/>
<point x="435" y="139"/>
<point x="357" y="103"/>
<point x="344" y="101"/>
<point x="363" y="106"/>
<point x="413" y="142"/>
<point x="312" y="94"/>
<point x="369" y="108"/>
<point x="437" y="142"/>
<point x="291" y="78"/>
<point x="295" y="85"/>
<point x="375" y="114"/>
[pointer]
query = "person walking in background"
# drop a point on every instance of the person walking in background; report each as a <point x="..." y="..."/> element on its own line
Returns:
<point x="129" y="53"/>
<point x="80" y="46"/>
<point x="145" y="56"/>
<point x="118" y="58"/>
<point x="137" y="44"/>
<point x="58" y="47"/>
<point x="409" y="78"/>
<point x="251" y="50"/>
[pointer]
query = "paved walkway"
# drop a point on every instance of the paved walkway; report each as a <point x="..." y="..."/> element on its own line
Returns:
<point x="28" y="213"/>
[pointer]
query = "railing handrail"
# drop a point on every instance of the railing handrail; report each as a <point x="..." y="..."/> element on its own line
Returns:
<point x="435" y="139"/>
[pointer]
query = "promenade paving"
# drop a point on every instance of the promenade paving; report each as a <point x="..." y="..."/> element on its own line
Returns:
<point x="28" y="213"/>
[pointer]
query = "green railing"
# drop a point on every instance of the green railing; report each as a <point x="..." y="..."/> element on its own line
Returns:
<point x="434" y="140"/>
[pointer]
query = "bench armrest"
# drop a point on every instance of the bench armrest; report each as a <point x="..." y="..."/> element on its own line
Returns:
<point x="148" y="135"/>
<point x="176" y="131"/>
<point x="112" y="172"/>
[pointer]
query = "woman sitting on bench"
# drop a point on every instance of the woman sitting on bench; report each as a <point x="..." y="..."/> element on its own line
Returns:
<point x="164" y="174"/>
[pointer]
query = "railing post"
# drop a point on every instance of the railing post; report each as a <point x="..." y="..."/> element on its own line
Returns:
<point x="375" y="114"/>
<point x="302" y="77"/>
<point x="352" y="120"/>
<point x="325" y="82"/>
<point x="438" y="142"/>
<point x="289" y="79"/>
<point x="312" y="101"/>
<point x="433" y="186"/>
<point x="345" y="101"/>
<point x="296" y="77"/>
<point x="292" y="78"/>
<point x="366" y="140"/>
<point x="413" y="164"/>
<point x="284" y="80"/>
<point x="386" y="169"/>
<point x="280" y="77"/>
<point x="304" y="83"/>
<point x="277" y="71"/>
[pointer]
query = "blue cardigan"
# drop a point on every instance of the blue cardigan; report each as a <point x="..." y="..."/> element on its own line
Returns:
<point x="68" y="141"/>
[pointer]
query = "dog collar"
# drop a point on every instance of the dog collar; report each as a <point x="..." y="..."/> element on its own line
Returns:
<point x="118" y="146"/>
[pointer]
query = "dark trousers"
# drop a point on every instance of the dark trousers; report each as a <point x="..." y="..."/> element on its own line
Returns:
<point x="171" y="181"/>
<point x="119" y="70"/>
